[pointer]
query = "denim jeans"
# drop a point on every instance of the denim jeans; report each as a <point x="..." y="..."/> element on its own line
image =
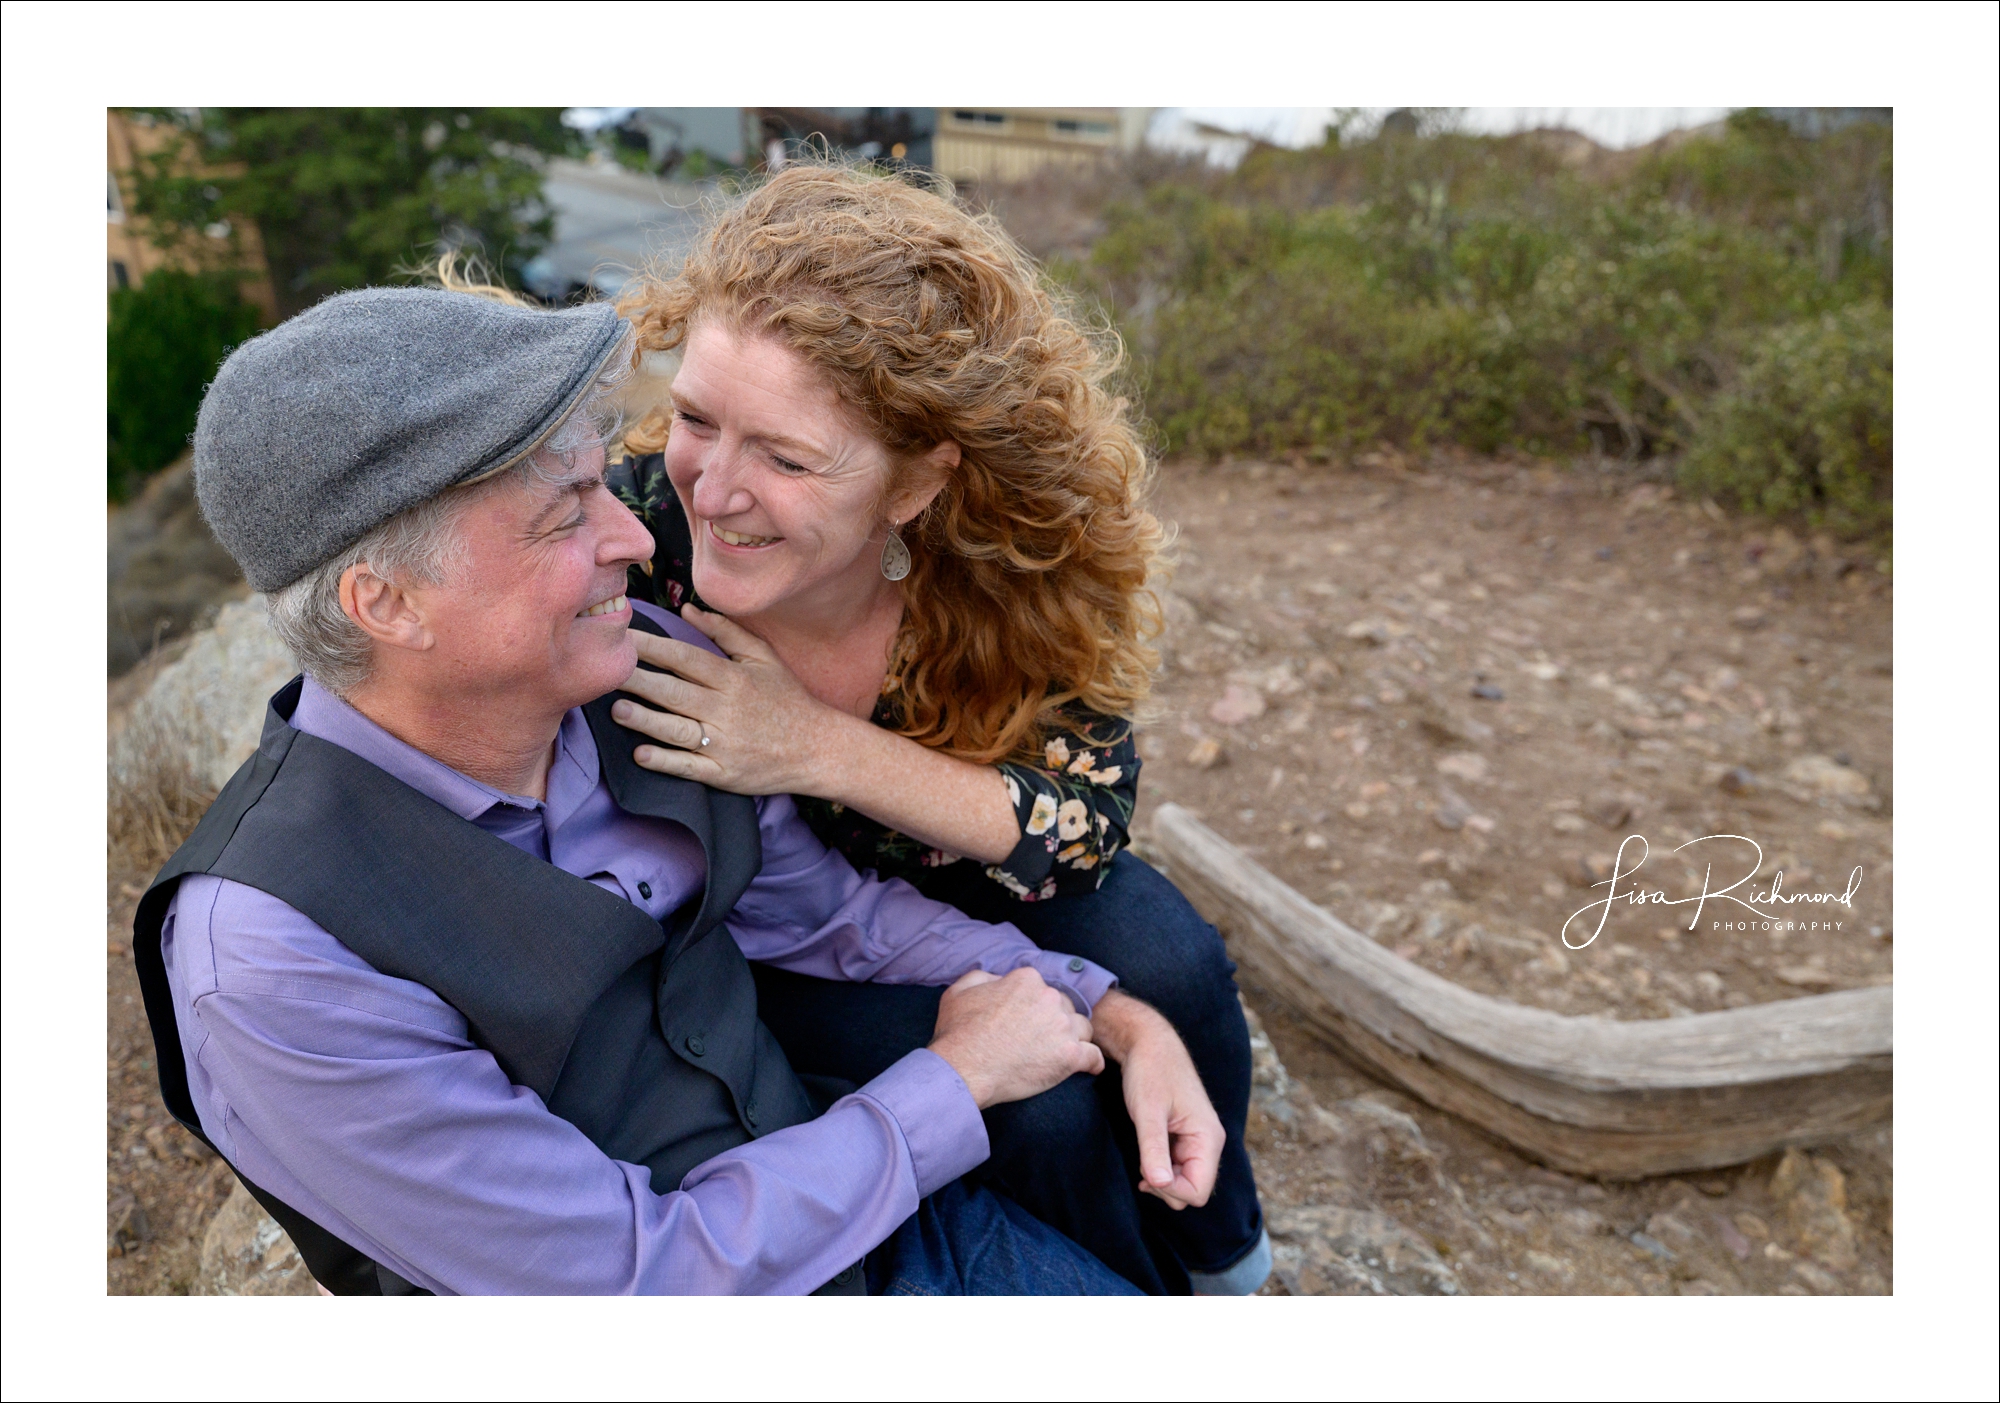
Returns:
<point x="965" y="1240"/>
<point x="1070" y="1156"/>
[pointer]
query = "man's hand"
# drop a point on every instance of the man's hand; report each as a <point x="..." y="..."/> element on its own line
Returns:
<point x="1180" y="1136"/>
<point x="1013" y="1038"/>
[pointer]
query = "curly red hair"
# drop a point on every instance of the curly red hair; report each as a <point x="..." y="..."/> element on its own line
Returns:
<point x="1029" y="588"/>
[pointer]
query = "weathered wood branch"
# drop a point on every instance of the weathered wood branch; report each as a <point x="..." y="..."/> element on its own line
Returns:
<point x="1586" y="1095"/>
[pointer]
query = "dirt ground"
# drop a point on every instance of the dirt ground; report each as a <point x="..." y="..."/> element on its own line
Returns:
<point x="1435" y="697"/>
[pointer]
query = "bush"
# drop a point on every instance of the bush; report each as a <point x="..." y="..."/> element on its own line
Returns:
<point x="1806" y="426"/>
<point x="1513" y="293"/>
<point x="167" y="336"/>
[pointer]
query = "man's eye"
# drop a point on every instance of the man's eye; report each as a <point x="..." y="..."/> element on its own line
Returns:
<point x="687" y="418"/>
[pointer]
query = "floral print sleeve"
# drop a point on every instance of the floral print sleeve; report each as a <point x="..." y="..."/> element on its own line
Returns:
<point x="1075" y="813"/>
<point x="641" y="484"/>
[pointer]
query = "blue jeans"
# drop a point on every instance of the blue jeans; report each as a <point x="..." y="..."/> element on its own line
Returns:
<point x="969" y="1241"/>
<point x="1070" y="1156"/>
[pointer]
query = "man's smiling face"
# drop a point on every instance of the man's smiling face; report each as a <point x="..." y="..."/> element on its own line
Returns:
<point x="535" y="614"/>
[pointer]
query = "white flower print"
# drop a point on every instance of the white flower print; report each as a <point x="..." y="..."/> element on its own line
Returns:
<point x="1044" y="813"/>
<point x="1110" y="776"/>
<point x="1081" y="765"/>
<point x="1013" y="791"/>
<point x="1058" y="753"/>
<point x="1072" y="819"/>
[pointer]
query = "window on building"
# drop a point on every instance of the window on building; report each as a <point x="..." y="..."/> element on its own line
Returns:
<point x="115" y="205"/>
<point x="980" y="119"/>
<point x="120" y="277"/>
<point x="1067" y="126"/>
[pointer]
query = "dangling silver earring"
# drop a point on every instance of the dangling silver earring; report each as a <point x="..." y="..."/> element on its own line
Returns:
<point x="895" y="556"/>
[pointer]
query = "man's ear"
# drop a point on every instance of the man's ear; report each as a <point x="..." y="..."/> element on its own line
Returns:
<point x="924" y="480"/>
<point x="383" y="610"/>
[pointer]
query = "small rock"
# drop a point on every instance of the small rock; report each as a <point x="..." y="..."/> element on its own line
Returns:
<point x="1206" y="754"/>
<point x="1732" y="1238"/>
<point x="1374" y="789"/>
<point x="1749" y="617"/>
<point x="1751" y="1226"/>
<point x="1652" y="1245"/>
<point x="1486" y="691"/>
<point x="126" y="1225"/>
<point x="1315" y="842"/>
<point x="1329" y="1251"/>
<point x="1805" y="977"/>
<point x="1596" y="868"/>
<point x="1237" y="705"/>
<point x="1466" y="765"/>
<point x="1549" y="1266"/>
<point x="1817" y="1277"/>
<point x="1610" y="811"/>
<point x="1566" y="823"/>
<point x="245" y="1253"/>
<point x="1737" y="781"/>
<point x="1821" y="773"/>
<point x="1813" y="1195"/>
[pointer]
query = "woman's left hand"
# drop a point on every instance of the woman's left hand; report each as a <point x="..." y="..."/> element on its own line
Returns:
<point x="765" y="733"/>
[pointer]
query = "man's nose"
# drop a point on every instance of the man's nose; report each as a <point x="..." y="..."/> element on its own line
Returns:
<point x="626" y="540"/>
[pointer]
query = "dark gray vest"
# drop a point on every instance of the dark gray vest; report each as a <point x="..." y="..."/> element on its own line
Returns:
<point x="643" y="1036"/>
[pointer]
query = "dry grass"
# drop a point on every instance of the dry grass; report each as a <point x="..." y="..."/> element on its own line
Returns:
<point x="157" y="792"/>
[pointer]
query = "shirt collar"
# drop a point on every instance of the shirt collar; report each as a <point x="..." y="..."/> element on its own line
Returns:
<point x="573" y="774"/>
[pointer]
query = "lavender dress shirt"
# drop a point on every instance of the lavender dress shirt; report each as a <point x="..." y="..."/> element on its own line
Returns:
<point x="361" y="1100"/>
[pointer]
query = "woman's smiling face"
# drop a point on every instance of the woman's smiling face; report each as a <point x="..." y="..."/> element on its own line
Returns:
<point x="783" y="491"/>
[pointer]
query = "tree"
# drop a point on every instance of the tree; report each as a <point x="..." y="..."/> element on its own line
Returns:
<point x="167" y="336"/>
<point x="349" y="196"/>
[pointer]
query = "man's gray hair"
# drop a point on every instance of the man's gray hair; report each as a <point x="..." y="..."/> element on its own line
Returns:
<point x="423" y="545"/>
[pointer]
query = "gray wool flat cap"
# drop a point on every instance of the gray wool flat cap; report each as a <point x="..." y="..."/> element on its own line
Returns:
<point x="327" y="426"/>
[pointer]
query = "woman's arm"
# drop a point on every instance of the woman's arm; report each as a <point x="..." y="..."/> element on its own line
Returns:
<point x="1041" y="832"/>
<point x="767" y="735"/>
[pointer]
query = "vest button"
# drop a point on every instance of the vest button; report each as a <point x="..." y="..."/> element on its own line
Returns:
<point x="846" y="1275"/>
<point x="1075" y="965"/>
<point x="750" y="1111"/>
<point x="645" y="891"/>
<point x="696" y="1045"/>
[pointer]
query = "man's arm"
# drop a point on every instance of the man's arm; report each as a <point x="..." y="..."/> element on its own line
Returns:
<point x="809" y="911"/>
<point x="359" y="1099"/>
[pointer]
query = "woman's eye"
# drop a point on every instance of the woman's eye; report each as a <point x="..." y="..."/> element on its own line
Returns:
<point x="786" y="465"/>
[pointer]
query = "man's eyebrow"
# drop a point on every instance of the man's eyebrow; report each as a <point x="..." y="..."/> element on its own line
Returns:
<point x="566" y="487"/>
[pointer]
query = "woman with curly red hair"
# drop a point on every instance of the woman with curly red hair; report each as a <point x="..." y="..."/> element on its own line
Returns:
<point x="897" y="490"/>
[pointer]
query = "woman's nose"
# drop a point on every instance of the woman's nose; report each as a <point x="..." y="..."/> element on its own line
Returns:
<point x="722" y="490"/>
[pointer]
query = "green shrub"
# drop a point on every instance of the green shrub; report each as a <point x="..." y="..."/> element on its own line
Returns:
<point x="1805" y="428"/>
<point x="1497" y="292"/>
<point x="166" y="338"/>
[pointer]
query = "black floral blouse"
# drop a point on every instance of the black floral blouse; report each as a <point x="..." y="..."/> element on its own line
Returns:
<point x="1075" y="810"/>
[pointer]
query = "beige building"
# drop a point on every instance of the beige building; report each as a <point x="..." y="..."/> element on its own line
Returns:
<point x="1007" y="143"/>
<point x="130" y="256"/>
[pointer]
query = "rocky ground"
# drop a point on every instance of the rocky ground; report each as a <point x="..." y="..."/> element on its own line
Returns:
<point x="1434" y="697"/>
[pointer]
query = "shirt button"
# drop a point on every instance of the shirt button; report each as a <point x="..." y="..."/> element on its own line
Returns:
<point x="696" y="1045"/>
<point x="750" y="1111"/>
<point x="1075" y="965"/>
<point x="645" y="891"/>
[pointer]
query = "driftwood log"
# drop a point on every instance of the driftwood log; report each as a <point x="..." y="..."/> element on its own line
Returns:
<point x="1587" y="1095"/>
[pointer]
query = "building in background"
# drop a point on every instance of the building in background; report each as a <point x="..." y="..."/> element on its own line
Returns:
<point x="980" y="144"/>
<point x="130" y="256"/>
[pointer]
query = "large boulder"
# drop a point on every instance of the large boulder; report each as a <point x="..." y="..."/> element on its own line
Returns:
<point x="246" y="1253"/>
<point x="209" y="704"/>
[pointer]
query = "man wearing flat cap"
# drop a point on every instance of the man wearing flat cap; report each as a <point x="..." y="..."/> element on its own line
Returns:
<point x="457" y="988"/>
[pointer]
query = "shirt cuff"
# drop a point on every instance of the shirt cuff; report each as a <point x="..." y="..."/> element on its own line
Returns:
<point x="1084" y="982"/>
<point x="940" y="1121"/>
